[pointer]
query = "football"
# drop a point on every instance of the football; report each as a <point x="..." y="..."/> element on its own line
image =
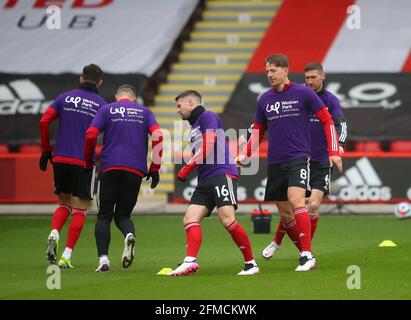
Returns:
<point x="402" y="210"/>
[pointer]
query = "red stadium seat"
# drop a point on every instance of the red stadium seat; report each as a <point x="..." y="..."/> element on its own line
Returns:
<point x="368" y="146"/>
<point x="401" y="146"/>
<point x="30" y="148"/>
<point x="4" y="148"/>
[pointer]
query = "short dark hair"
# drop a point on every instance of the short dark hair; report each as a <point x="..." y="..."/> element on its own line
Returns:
<point x="278" y="59"/>
<point x="314" y="66"/>
<point x="188" y="93"/>
<point x="92" y="73"/>
<point x="127" y="88"/>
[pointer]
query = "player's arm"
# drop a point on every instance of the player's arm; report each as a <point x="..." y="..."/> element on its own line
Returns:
<point x="157" y="154"/>
<point x="257" y="135"/>
<point x="334" y="107"/>
<point x="332" y="137"/>
<point x="90" y="144"/>
<point x="48" y="117"/>
<point x="342" y="131"/>
<point x="207" y="146"/>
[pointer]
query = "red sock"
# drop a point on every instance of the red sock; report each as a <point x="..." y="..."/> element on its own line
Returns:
<point x="292" y="230"/>
<point x="240" y="237"/>
<point x="280" y="233"/>
<point x="314" y="221"/>
<point x="304" y="226"/>
<point x="194" y="238"/>
<point x="76" y="225"/>
<point x="60" y="217"/>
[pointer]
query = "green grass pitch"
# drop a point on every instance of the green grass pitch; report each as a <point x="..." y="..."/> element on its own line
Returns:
<point x="340" y="241"/>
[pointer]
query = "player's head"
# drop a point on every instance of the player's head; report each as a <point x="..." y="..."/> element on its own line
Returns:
<point x="276" y="68"/>
<point x="126" y="91"/>
<point x="186" y="102"/>
<point x="92" y="73"/>
<point x="314" y="76"/>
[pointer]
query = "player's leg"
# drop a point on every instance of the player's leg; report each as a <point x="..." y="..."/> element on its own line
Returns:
<point x="106" y="197"/>
<point x="240" y="237"/>
<point x="320" y="185"/>
<point x="276" y="190"/>
<point x="192" y="218"/>
<point x="224" y="192"/>
<point x="62" y="183"/>
<point x="81" y="194"/>
<point x="122" y="214"/>
<point x="298" y="173"/>
<point x="314" y="203"/>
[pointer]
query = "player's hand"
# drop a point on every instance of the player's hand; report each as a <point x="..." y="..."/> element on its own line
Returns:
<point x="45" y="157"/>
<point x="239" y="161"/>
<point x="337" y="161"/>
<point x="155" y="178"/>
<point x="341" y="150"/>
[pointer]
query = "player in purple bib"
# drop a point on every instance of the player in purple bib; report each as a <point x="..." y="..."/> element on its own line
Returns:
<point x="217" y="183"/>
<point x="75" y="110"/>
<point x="320" y="170"/>
<point x="123" y="164"/>
<point x="284" y="110"/>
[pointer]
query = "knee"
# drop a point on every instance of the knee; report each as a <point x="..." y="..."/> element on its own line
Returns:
<point x="188" y="219"/>
<point x="313" y="206"/>
<point x="106" y="216"/>
<point x="227" y="220"/>
<point x="286" y="215"/>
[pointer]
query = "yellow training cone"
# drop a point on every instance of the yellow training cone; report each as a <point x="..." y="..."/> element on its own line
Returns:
<point x="164" y="271"/>
<point x="387" y="243"/>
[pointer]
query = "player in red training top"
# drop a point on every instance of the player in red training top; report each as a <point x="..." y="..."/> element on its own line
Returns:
<point x="284" y="111"/>
<point x="217" y="183"/>
<point x="320" y="170"/>
<point x="123" y="165"/>
<point x="73" y="183"/>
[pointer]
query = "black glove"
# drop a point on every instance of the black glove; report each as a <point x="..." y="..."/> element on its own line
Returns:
<point x="45" y="157"/>
<point x="155" y="178"/>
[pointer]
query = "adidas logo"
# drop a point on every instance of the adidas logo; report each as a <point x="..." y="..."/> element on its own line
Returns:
<point x="361" y="182"/>
<point x="22" y="97"/>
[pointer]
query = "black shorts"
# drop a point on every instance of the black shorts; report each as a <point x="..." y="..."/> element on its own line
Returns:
<point x="217" y="191"/>
<point x="117" y="192"/>
<point x="280" y="176"/>
<point x="73" y="179"/>
<point x="320" y="174"/>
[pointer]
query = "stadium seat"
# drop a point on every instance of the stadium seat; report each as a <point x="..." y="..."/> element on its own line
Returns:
<point x="30" y="148"/>
<point x="4" y="148"/>
<point x="368" y="146"/>
<point x="401" y="146"/>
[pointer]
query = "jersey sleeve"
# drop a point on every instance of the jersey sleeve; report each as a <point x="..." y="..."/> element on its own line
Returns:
<point x="209" y="122"/>
<point x="260" y="117"/>
<point x="100" y="120"/>
<point x="313" y="101"/>
<point x="57" y="103"/>
<point x="151" y="121"/>
<point x="334" y="107"/>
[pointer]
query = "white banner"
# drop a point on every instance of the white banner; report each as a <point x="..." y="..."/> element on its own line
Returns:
<point x="122" y="36"/>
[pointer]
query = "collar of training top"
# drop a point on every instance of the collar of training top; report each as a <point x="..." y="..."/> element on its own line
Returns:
<point x="197" y="111"/>
<point x="89" y="86"/>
